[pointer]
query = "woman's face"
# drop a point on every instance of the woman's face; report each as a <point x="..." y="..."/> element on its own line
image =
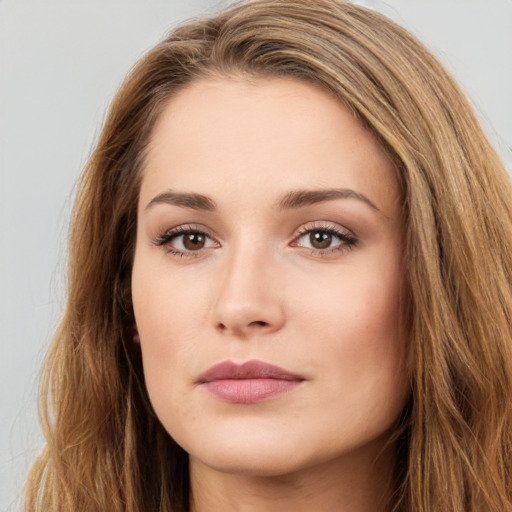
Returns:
<point x="267" y="276"/>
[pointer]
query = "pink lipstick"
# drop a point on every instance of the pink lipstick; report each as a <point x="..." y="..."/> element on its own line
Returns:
<point x="249" y="382"/>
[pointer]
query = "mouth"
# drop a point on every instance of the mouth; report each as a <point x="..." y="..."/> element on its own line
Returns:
<point x="247" y="383"/>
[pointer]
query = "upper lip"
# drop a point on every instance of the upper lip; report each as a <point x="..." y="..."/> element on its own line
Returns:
<point x="249" y="370"/>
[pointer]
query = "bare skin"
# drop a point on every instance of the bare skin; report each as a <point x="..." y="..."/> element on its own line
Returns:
<point x="356" y="485"/>
<point x="269" y="231"/>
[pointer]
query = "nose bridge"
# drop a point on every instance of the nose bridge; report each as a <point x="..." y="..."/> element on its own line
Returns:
<point x="248" y="296"/>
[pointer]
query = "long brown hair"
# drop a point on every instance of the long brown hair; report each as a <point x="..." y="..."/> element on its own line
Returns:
<point x="106" y="449"/>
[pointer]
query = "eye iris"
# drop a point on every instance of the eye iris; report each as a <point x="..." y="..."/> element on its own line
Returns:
<point x="193" y="241"/>
<point x="320" y="239"/>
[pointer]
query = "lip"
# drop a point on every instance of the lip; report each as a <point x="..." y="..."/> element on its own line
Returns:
<point x="250" y="382"/>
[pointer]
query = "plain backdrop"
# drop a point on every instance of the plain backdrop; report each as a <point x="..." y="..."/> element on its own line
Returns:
<point x="60" y="64"/>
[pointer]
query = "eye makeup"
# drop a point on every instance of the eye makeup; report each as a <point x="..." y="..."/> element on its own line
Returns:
<point x="324" y="239"/>
<point x="318" y="238"/>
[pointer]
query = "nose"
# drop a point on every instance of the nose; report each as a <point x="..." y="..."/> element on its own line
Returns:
<point x="249" y="299"/>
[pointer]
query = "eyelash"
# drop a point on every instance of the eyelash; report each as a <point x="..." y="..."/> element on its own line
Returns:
<point x="165" y="239"/>
<point x="347" y="240"/>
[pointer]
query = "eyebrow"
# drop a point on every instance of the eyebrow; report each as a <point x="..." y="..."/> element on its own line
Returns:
<point x="183" y="199"/>
<point x="301" y="198"/>
<point x="291" y="200"/>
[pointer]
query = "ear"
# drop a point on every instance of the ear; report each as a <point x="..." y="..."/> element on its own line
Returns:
<point x="136" y="337"/>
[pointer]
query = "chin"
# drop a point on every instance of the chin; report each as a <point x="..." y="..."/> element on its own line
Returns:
<point x="268" y="452"/>
<point x="255" y="463"/>
<point x="260" y="456"/>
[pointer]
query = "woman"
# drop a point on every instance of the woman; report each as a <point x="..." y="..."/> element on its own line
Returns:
<point x="289" y="281"/>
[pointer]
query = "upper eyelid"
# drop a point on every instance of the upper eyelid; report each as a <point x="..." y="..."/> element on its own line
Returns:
<point x="302" y="228"/>
<point x="188" y="228"/>
<point x="165" y="239"/>
<point x="165" y="236"/>
<point x="322" y="225"/>
<point x="299" y="231"/>
<point x="345" y="235"/>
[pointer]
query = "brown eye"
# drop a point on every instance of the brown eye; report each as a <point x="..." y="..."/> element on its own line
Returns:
<point x="325" y="241"/>
<point x="194" y="241"/>
<point x="183" y="241"/>
<point x="320" y="239"/>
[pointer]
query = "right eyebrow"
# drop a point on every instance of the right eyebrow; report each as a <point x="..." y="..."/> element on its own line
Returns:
<point x="301" y="198"/>
<point x="183" y="199"/>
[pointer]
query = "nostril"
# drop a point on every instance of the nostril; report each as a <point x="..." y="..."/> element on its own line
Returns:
<point x="259" y="323"/>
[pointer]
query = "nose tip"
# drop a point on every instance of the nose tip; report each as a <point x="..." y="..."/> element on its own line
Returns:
<point x="248" y="301"/>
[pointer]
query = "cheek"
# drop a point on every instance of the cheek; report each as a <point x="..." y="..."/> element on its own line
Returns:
<point x="159" y="315"/>
<point x="360" y="304"/>
<point x="164" y="341"/>
<point x="355" y="324"/>
<point x="165" y="305"/>
<point x="170" y="311"/>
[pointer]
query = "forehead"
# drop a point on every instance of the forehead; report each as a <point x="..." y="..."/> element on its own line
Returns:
<point x="228" y="134"/>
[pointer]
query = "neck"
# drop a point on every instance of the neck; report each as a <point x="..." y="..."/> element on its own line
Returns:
<point x="350" y="484"/>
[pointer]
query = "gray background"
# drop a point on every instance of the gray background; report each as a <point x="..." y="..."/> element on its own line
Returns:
<point x="60" y="64"/>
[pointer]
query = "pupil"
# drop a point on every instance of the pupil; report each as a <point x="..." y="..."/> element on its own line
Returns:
<point x="193" y="241"/>
<point x="320" y="239"/>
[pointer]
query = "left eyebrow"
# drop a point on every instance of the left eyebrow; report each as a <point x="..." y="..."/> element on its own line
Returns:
<point x="184" y="200"/>
<point x="301" y="198"/>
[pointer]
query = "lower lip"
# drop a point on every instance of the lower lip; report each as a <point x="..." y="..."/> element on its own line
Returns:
<point x="249" y="391"/>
